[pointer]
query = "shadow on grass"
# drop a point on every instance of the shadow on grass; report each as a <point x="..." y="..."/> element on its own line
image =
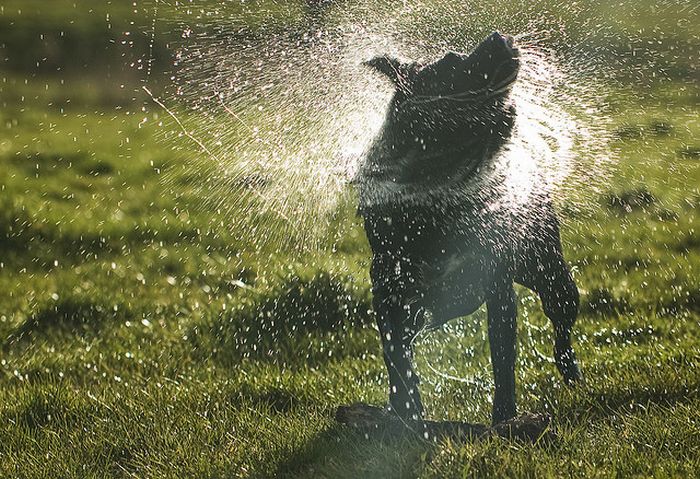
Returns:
<point x="375" y="444"/>
<point x="43" y="407"/>
<point x="341" y="451"/>
<point x="22" y="235"/>
<point x="304" y="315"/>
<point x="628" y="201"/>
<point x="73" y="314"/>
<point x="612" y="390"/>
<point x="276" y="399"/>
<point x="602" y="301"/>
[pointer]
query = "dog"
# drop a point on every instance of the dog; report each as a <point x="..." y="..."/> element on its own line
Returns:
<point x="442" y="244"/>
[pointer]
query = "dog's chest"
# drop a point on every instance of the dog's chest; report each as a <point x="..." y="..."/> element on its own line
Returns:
<point x="449" y="256"/>
<point x="457" y="272"/>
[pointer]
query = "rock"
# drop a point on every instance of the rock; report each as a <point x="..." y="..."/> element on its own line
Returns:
<point x="529" y="427"/>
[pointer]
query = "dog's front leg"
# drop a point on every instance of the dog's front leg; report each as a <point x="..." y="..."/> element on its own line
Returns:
<point x="502" y="312"/>
<point x="397" y="331"/>
<point x="398" y="323"/>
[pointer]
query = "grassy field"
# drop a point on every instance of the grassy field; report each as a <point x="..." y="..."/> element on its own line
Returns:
<point x="141" y="336"/>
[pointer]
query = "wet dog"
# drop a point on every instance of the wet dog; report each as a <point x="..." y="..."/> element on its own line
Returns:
<point x="443" y="243"/>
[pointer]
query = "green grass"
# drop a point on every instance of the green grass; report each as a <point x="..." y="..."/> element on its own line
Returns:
<point x="144" y="337"/>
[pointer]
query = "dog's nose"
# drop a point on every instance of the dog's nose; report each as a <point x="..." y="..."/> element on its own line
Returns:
<point x="507" y="40"/>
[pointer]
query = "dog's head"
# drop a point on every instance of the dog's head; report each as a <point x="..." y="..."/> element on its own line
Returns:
<point x="452" y="84"/>
<point x="446" y="119"/>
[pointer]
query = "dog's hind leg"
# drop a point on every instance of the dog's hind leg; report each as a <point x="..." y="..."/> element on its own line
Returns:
<point x="502" y="313"/>
<point x="560" y="301"/>
<point x="550" y="277"/>
<point x="545" y="271"/>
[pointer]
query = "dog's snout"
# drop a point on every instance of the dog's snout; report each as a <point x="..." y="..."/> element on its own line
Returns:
<point x="506" y="41"/>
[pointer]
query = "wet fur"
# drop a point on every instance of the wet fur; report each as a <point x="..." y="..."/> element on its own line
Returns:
<point x="439" y="251"/>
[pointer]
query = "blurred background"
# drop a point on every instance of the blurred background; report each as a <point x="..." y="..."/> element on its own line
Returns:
<point x="159" y="319"/>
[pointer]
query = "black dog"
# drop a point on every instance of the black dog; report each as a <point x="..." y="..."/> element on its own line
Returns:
<point x="441" y="245"/>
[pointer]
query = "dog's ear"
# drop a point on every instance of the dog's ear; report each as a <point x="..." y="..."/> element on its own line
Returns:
<point x="399" y="73"/>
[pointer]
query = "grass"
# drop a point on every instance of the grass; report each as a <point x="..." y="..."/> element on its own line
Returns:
<point x="144" y="337"/>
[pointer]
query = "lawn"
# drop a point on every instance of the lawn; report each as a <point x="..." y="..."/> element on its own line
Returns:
<point x="145" y="336"/>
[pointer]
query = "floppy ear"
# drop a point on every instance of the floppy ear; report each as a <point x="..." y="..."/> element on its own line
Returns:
<point x="399" y="73"/>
